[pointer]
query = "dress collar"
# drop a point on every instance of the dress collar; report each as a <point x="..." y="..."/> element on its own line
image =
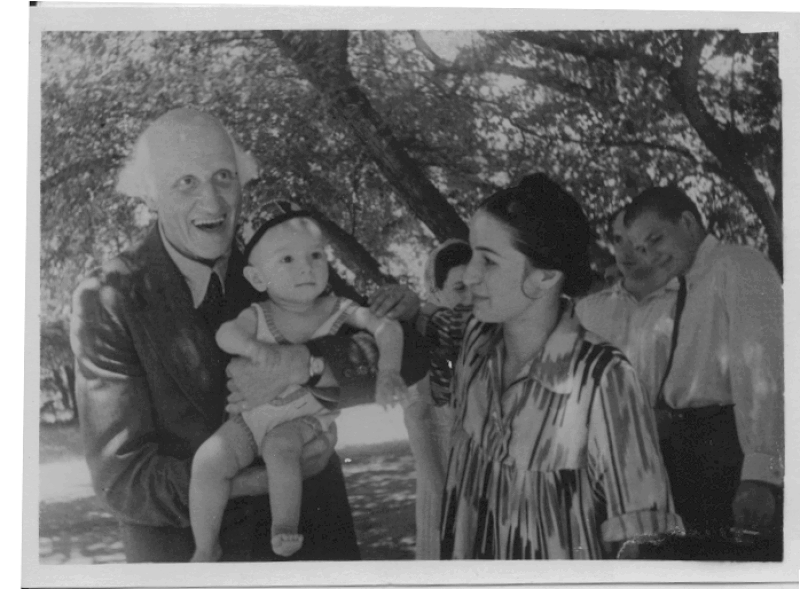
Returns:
<point x="552" y="367"/>
<point x="195" y="273"/>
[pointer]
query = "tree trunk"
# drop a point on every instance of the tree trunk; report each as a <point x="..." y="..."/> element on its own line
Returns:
<point x="64" y="379"/>
<point x="684" y="86"/>
<point x="321" y="57"/>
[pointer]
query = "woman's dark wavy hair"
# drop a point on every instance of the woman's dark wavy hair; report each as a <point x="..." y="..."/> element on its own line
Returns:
<point x="451" y="256"/>
<point x="549" y="228"/>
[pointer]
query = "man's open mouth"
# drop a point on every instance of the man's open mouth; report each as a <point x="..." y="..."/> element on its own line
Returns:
<point x="209" y="224"/>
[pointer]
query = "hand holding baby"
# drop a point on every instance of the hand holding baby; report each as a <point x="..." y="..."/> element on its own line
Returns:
<point x="264" y="375"/>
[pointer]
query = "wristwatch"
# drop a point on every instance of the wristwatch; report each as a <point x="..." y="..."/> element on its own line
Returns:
<point x="316" y="364"/>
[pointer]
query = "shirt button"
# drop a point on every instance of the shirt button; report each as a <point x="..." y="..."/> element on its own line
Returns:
<point x="348" y="373"/>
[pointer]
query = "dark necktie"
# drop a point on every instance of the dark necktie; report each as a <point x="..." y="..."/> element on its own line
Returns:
<point x="213" y="302"/>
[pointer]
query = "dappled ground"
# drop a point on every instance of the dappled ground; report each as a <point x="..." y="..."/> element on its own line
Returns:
<point x="78" y="532"/>
<point x="381" y="485"/>
<point x="75" y="529"/>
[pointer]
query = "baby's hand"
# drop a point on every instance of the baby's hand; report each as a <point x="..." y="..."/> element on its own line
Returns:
<point x="390" y="388"/>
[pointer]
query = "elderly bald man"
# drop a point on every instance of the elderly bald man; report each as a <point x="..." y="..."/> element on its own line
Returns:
<point x="151" y="382"/>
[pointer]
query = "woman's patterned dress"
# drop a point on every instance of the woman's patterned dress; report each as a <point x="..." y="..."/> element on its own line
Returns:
<point x="557" y="463"/>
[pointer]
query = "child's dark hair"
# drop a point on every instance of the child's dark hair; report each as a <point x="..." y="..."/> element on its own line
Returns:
<point x="451" y="256"/>
<point x="549" y="228"/>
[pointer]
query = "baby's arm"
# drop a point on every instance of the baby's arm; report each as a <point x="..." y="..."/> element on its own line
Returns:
<point x="238" y="337"/>
<point x="389" y="338"/>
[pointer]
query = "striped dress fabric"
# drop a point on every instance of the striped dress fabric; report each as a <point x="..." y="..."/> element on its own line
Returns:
<point x="557" y="464"/>
<point x="444" y="331"/>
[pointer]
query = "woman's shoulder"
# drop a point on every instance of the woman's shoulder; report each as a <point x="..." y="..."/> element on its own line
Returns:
<point x="592" y="338"/>
<point x="598" y="354"/>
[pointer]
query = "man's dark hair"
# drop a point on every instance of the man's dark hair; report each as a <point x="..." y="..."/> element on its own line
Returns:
<point x="612" y="217"/>
<point x="668" y="202"/>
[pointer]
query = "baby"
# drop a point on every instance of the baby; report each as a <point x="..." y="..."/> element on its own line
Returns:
<point x="286" y="260"/>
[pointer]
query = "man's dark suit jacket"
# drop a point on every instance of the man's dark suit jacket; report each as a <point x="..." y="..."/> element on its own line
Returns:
<point x="151" y="388"/>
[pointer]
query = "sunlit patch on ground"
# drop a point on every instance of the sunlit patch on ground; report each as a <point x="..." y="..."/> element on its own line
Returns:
<point x="78" y="532"/>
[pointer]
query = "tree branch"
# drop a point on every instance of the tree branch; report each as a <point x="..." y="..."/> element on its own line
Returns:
<point x="726" y="148"/>
<point x="555" y="41"/>
<point x="93" y="166"/>
<point x="423" y="47"/>
<point x="311" y="53"/>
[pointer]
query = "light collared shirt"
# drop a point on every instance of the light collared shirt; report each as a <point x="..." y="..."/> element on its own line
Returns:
<point x="730" y="350"/>
<point x="642" y="329"/>
<point x="195" y="273"/>
<point x="555" y="463"/>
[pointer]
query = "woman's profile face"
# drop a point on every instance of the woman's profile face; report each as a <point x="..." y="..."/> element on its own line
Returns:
<point x="496" y="271"/>
<point x="454" y="292"/>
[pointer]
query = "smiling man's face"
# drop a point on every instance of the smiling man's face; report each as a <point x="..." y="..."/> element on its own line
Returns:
<point x="196" y="191"/>
<point x="631" y="265"/>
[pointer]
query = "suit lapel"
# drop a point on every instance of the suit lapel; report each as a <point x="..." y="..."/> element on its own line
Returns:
<point x="183" y="342"/>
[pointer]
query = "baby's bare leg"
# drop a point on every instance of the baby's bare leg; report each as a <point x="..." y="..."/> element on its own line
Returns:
<point x="215" y="463"/>
<point x="281" y="451"/>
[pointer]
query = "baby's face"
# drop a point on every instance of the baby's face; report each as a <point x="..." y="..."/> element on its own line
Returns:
<point x="291" y="261"/>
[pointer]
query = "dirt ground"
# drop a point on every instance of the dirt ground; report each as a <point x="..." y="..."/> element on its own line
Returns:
<point x="378" y="468"/>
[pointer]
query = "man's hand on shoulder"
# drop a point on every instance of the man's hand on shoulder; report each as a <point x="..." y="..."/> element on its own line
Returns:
<point x="394" y="301"/>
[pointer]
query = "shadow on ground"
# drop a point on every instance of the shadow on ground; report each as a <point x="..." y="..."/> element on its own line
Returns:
<point x="79" y="532"/>
<point x="380" y="483"/>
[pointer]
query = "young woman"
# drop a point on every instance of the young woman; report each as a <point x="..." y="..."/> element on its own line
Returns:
<point x="554" y="452"/>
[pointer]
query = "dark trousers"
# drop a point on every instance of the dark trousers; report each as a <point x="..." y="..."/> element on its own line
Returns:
<point x="326" y="522"/>
<point x="704" y="462"/>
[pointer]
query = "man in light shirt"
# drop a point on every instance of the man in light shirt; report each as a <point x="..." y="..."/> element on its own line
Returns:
<point x="724" y="392"/>
<point x="635" y="314"/>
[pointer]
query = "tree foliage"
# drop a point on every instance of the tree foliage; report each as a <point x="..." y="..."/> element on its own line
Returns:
<point x="393" y="137"/>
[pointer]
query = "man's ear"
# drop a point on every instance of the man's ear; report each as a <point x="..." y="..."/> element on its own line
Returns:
<point x="151" y="202"/>
<point x="255" y="278"/>
<point x="690" y="224"/>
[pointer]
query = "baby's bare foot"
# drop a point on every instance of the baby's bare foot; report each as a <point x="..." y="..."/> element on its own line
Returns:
<point x="286" y="544"/>
<point x="212" y="555"/>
